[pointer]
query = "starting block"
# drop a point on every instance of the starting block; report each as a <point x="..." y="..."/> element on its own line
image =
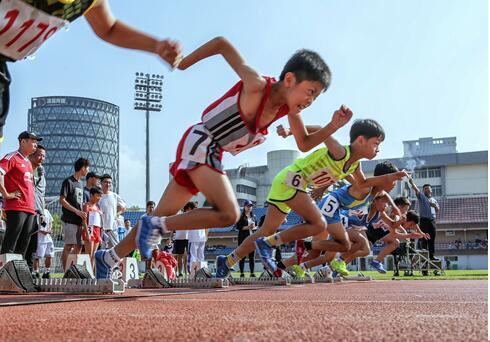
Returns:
<point x="129" y="269"/>
<point x="80" y="285"/>
<point x="322" y="277"/>
<point x="77" y="272"/>
<point x="359" y="277"/>
<point x="198" y="266"/>
<point x="203" y="273"/>
<point x="15" y="277"/>
<point x="207" y="283"/>
<point x="82" y="260"/>
<point x="153" y="279"/>
<point x="307" y="279"/>
<point x="265" y="278"/>
<point x="4" y="258"/>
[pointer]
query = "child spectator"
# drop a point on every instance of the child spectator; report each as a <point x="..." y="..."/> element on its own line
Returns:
<point x="45" y="246"/>
<point x="91" y="233"/>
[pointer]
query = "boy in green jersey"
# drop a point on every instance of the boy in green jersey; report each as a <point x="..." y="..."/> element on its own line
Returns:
<point x="319" y="169"/>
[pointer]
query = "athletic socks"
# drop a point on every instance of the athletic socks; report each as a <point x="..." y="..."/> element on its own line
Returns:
<point x="111" y="258"/>
<point x="160" y="222"/>
<point x="232" y="259"/>
<point x="273" y="240"/>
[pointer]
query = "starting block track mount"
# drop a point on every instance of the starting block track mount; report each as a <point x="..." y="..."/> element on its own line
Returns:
<point x="262" y="281"/>
<point x="80" y="285"/>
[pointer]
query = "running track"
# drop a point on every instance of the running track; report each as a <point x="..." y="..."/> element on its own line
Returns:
<point x="438" y="310"/>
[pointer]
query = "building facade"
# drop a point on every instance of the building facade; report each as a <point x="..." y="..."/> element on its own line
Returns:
<point x="74" y="127"/>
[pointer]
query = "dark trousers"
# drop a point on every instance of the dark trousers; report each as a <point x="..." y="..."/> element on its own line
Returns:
<point x="428" y="226"/>
<point x="32" y="247"/>
<point x="251" y="256"/>
<point x="17" y="234"/>
<point x="4" y="94"/>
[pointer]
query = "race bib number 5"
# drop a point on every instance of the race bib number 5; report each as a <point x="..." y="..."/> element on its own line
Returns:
<point x="330" y="206"/>
<point x="24" y="28"/>
<point x="295" y="180"/>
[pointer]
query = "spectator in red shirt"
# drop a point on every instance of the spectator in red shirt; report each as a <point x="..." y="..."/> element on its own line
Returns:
<point x="17" y="188"/>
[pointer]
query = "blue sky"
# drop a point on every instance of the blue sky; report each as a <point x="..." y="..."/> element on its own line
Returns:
<point x="418" y="67"/>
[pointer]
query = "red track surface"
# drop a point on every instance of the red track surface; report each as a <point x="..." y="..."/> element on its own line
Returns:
<point x="362" y="311"/>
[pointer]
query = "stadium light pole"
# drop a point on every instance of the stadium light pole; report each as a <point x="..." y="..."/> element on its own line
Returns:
<point x="148" y="97"/>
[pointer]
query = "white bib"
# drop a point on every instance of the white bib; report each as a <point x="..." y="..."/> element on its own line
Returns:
<point x="295" y="180"/>
<point x="23" y="28"/>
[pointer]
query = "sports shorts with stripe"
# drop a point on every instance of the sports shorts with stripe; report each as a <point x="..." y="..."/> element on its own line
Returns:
<point x="196" y="148"/>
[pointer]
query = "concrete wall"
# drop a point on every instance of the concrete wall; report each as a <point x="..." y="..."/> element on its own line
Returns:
<point x="466" y="179"/>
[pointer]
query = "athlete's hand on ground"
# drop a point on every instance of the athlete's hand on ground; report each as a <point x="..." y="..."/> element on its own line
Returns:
<point x="14" y="195"/>
<point x="415" y="236"/>
<point x="341" y="116"/>
<point x="170" y="51"/>
<point x="282" y="131"/>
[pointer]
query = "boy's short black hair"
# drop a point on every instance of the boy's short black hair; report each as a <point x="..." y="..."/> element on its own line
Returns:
<point x="95" y="190"/>
<point x="384" y="168"/>
<point x="402" y="200"/>
<point x="40" y="147"/>
<point x="308" y="65"/>
<point x="150" y="203"/>
<point x="81" y="162"/>
<point x="425" y="185"/>
<point x="412" y="216"/>
<point x="189" y="205"/>
<point x="366" y="128"/>
<point x="105" y="176"/>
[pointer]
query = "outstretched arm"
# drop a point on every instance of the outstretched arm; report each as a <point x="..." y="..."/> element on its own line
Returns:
<point x="358" y="178"/>
<point x="115" y="32"/>
<point x="252" y="80"/>
<point x="306" y="140"/>
<point x="414" y="187"/>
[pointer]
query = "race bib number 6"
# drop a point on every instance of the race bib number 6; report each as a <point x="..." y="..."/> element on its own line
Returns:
<point x="330" y="206"/>
<point x="295" y="180"/>
<point x="24" y="28"/>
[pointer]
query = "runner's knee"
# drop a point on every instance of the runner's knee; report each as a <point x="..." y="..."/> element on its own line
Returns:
<point x="229" y="217"/>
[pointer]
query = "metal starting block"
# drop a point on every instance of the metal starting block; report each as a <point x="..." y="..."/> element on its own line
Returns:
<point x="72" y="285"/>
<point x="206" y="283"/>
<point x="15" y="277"/>
<point x="359" y="277"/>
<point x="154" y="279"/>
<point x="262" y="281"/>
<point x="321" y="277"/>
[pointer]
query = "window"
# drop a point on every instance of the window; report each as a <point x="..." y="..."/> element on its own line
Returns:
<point x="245" y="189"/>
<point x="436" y="190"/>
<point x="428" y="172"/>
<point x="450" y="233"/>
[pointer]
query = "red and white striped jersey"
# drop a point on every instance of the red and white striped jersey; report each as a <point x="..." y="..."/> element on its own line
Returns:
<point x="225" y="122"/>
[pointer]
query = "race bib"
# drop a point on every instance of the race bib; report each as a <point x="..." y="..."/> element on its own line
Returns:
<point x="330" y="206"/>
<point x="23" y="28"/>
<point x="295" y="180"/>
<point x="322" y="178"/>
<point x="345" y="221"/>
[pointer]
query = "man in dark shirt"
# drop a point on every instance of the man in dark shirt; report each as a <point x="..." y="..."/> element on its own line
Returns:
<point x="428" y="208"/>
<point x="71" y="200"/>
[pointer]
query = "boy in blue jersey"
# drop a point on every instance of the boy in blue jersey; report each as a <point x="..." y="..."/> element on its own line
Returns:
<point x="350" y="197"/>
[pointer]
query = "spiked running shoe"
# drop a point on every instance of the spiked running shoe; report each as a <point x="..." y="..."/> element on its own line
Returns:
<point x="298" y="271"/>
<point x="265" y="253"/>
<point x="149" y="234"/>
<point x="102" y="269"/>
<point x="377" y="266"/>
<point x="222" y="269"/>
<point x="340" y="267"/>
<point x="299" y="249"/>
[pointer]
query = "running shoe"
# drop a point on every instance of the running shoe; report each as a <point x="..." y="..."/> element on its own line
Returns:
<point x="265" y="253"/>
<point x="377" y="266"/>
<point x="222" y="269"/>
<point x="299" y="249"/>
<point x="102" y="269"/>
<point x="327" y="273"/>
<point x="340" y="267"/>
<point x="149" y="234"/>
<point x="298" y="271"/>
